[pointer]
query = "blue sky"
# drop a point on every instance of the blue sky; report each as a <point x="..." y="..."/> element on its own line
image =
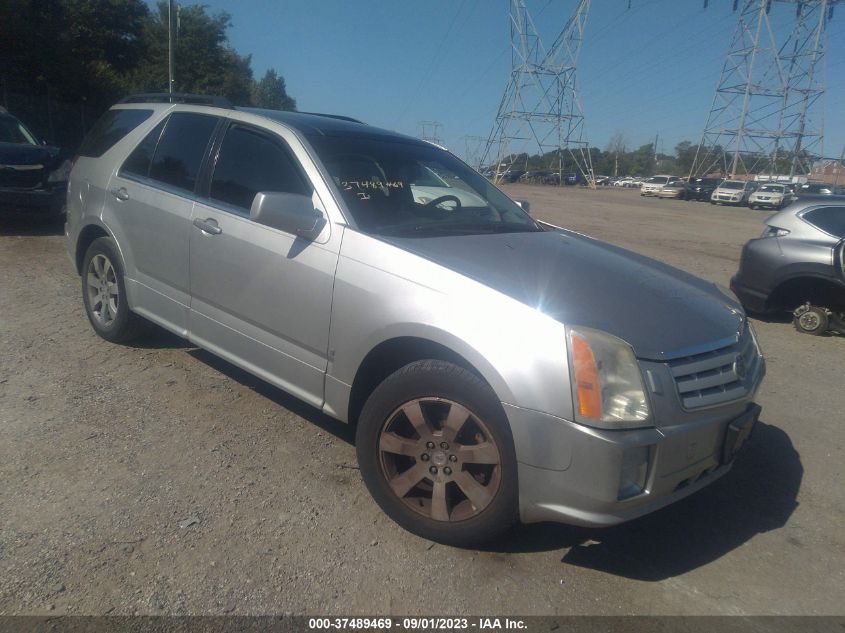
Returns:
<point x="651" y="69"/>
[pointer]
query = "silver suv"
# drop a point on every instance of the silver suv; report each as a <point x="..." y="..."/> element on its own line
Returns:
<point x="496" y="368"/>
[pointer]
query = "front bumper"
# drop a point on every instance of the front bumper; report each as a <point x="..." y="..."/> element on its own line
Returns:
<point x="573" y="474"/>
<point x="24" y="202"/>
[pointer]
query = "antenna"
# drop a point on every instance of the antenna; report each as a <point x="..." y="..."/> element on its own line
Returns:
<point x="540" y="109"/>
<point x="764" y="116"/>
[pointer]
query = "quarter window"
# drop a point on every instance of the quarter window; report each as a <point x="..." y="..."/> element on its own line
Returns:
<point x="828" y="219"/>
<point x="249" y="162"/>
<point x="180" y="150"/>
<point x="139" y="161"/>
<point x="111" y="128"/>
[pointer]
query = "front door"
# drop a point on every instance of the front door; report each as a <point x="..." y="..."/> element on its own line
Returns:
<point x="260" y="297"/>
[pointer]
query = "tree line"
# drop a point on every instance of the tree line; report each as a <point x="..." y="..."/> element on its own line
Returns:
<point x="66" y="61"/>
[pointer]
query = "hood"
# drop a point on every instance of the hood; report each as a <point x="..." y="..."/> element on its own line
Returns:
<point x="662" y="312"/>
<point x="25" y="154"/>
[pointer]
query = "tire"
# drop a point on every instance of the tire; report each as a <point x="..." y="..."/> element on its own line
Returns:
<point x="411" y="412"/>
<point x="102" y="275"/>
<point x="752" y="207"/>
<point x="811" y="320"/>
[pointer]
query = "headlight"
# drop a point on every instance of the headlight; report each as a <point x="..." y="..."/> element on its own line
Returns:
<point x="61" y="174"/>
<point x="754" y="337"/>
<point x="607" y="386"/>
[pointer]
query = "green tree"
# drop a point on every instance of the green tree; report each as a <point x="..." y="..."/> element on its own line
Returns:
<point x="272" y="93"/>
<point x="204" y="63"/>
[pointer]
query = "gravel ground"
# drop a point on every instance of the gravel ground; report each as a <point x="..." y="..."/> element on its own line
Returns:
<point x="155" y="478"/>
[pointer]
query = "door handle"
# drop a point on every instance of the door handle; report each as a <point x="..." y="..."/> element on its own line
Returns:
<point x="209" y="225"/>
<point x="120" y="194"/>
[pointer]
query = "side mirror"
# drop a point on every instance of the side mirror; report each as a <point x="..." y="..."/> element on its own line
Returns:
<point x="524" y="205"/>
<point x="289" y="212"/>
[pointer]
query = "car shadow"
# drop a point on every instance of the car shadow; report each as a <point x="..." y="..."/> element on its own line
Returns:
<point x="341" y="430"/>
<point x="159" y="338"/>
<point x="759" y="494"/>
<point x="32" y="226"/>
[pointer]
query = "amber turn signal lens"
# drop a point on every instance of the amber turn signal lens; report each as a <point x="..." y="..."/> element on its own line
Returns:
<point x="587" y="381"/>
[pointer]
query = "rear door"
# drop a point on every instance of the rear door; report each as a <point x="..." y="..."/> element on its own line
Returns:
<point x="261" y="297"/>
<point x="150" y="200"/>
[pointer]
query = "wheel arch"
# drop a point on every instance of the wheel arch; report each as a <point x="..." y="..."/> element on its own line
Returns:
<point x="394" y="353"/>
<point x="87" y="235"/>
<point x="821" y="291"/>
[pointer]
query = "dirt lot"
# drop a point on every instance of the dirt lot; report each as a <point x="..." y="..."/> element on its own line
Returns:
<point x="157" y="479"/>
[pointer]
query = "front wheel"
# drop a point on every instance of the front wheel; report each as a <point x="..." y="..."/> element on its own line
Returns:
<point x="436" y="453"/>
<point x="809" y="319"/>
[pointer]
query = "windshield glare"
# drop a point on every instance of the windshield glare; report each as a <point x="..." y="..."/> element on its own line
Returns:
<point x="732" y="184"/>
<point x="415" y="190"/>
<point x="13" y="131"/>
<point x="772" y="188"/>
<point x="658" y="180"/>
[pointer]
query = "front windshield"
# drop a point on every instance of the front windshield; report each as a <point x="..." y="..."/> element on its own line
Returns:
<point x="13" y="131"/>
<point x="415" y="190"/>
<point x="658" y="180"/>
<point x="732" y="184"/>
<point x="772" y="188"/>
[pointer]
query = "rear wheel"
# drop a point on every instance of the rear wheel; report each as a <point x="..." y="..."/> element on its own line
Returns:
<point x="436" y="453"/>
<point x="104" y="294"/>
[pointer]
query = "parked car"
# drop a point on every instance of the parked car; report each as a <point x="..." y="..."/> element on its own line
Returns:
<point x="650" y="186"/>
<point x="496" y="368"/>
<point x="733" y="192"/>
<point x="820" y="188"/>
<point x="33" y="173"/>
<point x="700" y="188"/>
<point x="672" y="190"/>
<point x="770" y="196"/>
<point x="797" y="265"/>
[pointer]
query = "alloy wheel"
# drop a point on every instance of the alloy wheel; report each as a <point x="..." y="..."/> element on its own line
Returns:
<point x="102" y="289"/>
<point x="440" y="459"/>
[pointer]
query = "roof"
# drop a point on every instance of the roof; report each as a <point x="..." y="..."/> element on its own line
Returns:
<point x="329" y="125"/>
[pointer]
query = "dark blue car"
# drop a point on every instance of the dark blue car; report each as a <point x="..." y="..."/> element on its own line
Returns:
<point x="33" y="174"/>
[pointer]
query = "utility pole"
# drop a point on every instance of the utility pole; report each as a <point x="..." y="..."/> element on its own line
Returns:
<point x="840" y="166"/>
<point x="170" y="36"/>
<point x="766" y="109"/>
<point x="655" y="150"/>
<point x="540" y="108"/>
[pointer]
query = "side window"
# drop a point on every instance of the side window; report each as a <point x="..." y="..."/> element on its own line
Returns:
<point x="828" y="219"/>
<point x="181" y="149"/>
<point x="249" y="162"/>
<point x="139" y="161"/>
<point x="111" y="128"/>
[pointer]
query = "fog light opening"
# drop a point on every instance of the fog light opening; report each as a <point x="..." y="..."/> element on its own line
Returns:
<point x="632" y="478"/>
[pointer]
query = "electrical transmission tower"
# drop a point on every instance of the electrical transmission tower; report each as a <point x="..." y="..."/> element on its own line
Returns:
<point x="765" y="115"/>
<point x="540" y="109"/>
<point x="430" y="131"/>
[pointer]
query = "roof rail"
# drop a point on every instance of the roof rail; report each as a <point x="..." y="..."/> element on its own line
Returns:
<point x="178" y="97"/>
<point x="340" y="117"/>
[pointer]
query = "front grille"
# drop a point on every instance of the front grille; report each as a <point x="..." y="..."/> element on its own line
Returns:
<point x="719" y="376"/>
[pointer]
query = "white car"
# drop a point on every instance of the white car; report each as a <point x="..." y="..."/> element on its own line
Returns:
<point x="734" y="192"/>
<point x="770" y="196"/>
<point x="652" y="185"/>
<point x="429" y="186"/>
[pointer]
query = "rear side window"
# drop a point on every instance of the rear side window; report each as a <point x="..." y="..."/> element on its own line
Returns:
<point x="111" y="128"/>
<point x="181" y="148"/>
<point x="828" y="219"/>
<point x="249" y="162"/>
<point x="139" y="161"/>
